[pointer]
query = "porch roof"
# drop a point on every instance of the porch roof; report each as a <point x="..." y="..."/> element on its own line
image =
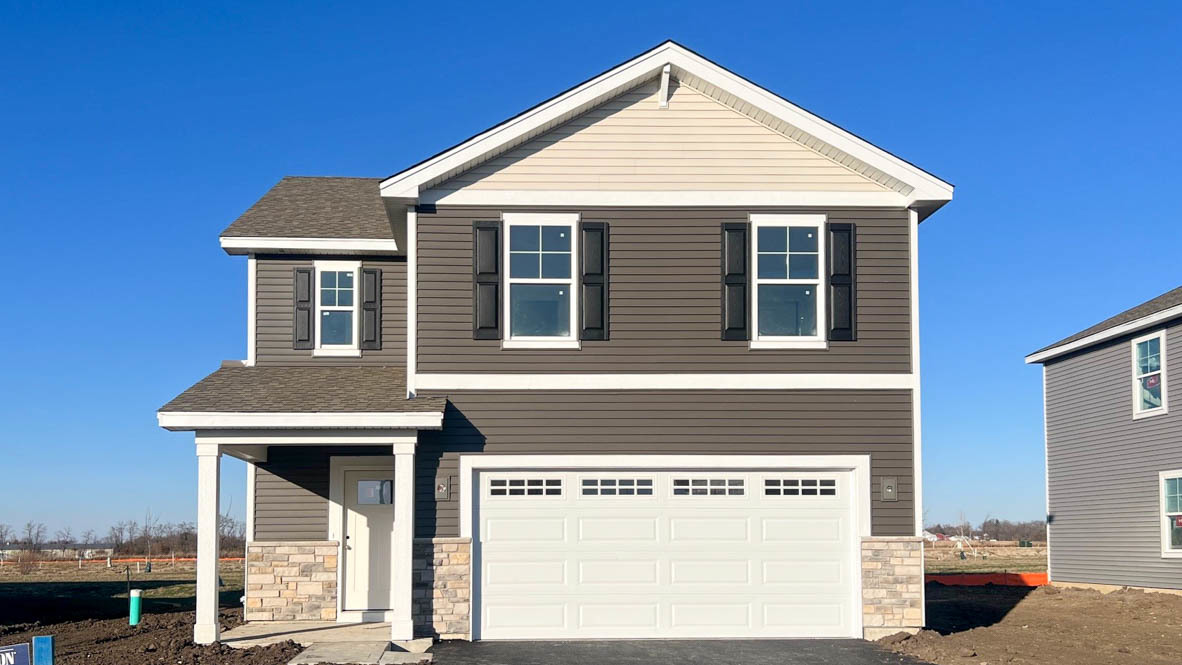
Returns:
<point x="334" y="392"/>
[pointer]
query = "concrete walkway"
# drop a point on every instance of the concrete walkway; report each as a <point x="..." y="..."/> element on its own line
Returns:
<point x="330" y="642"/>
<point x="304" y="633"/>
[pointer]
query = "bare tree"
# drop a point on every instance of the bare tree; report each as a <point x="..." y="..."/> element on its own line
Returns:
<point x="34" y="536"/>
<point x="64" y="537"/>
<point x="6" y="534"/>
<point x="88" y="539"/>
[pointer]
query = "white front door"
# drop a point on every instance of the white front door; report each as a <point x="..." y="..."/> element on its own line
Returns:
<point x="369" y="522"/>
<point x="638" y="553"/>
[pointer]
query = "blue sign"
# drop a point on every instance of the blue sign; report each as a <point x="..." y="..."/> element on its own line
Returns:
<point x="15" y="654"/>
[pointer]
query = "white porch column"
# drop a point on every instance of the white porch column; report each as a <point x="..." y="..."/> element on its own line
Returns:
<point x="209" y="475"/>
<point x="402" y="543"/>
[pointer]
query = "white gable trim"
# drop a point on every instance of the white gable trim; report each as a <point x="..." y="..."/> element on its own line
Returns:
<point x="248" y="245"/>
<point x="410" y="183"/>
<point x="494" y="197"/>
<point x="1107" y="334"/>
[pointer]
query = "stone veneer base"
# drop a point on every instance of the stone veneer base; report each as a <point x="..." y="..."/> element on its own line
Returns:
<point x="892" y="586"/>
<point x="291" y="581"/>
<point x="442" y="580"/>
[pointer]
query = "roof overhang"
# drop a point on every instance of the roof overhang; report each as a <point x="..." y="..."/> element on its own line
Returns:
<point x="924" y="191"/>
<point x="1104" y="335"/>
<point x="268" y="245"/>
<point x="178" y="421"/>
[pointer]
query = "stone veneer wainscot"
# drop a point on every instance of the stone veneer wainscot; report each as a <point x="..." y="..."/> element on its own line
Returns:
<point x="892" y="586"/>
<point x="291" y="581"/>
<point x="443" y="588"/>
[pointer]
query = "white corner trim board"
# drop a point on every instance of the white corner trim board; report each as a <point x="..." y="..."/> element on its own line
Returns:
<point x="649" y="65"/>
<point x="252" y="272"/>
<point x="246" y="245"/>
<point x="666" y="381"/>
<point x="190" y="420"/>
<point x="1115" y="331"/>
<point x="858" y="464"/>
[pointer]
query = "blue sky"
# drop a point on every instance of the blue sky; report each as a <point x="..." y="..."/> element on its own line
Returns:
<point x="135" y="133"/>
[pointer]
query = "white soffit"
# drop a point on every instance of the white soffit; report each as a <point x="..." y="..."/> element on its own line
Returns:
<point x="190" y="420"/>
<point x="914" y="184"/>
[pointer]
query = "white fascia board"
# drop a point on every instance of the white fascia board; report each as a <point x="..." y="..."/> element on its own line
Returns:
<point x="407" y="184"/>
<point x="1115" y="331"/>
<point x="191" y="420"/>
<point x="669" y="198"/>
<point x="439" y="381"/>
<point x="249" y="245"/>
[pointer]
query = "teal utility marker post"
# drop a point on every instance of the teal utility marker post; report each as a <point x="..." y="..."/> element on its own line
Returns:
<point x="43" y="650"/>
<point x="135" y="599"/>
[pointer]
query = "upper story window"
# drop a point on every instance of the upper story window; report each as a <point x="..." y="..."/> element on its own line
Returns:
<point x="541" y="303"/>
<point x="1149" y="375"/>
<point x="1171" y="507"/>
<point x="336" y="307"/>
<point x="789" y="288"/>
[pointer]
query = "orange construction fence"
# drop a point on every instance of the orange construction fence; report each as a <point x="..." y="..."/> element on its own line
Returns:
<point x="981" y="579"/>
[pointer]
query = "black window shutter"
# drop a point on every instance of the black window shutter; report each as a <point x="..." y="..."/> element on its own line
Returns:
<point x="486" y="280"/>
<point x="371" y="309"/>
<point x="843" y="297"/>
<point x="302" y="330"/>
<point x="593" y="268"/>
<point x="735" y="326"/>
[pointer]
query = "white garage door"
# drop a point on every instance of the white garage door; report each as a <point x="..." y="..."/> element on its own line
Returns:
<point x="665" y="554"/>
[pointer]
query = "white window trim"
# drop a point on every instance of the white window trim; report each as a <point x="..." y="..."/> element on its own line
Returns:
<point x="570" y="220"/>
<point x="338" y="350"/>
<point x="1138" y="413"/>
<point x="817" y="341"/>
<point x="1167" y="552"/>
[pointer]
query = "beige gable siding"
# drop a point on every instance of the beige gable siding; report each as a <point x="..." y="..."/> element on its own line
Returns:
<point x="629" y="143"/>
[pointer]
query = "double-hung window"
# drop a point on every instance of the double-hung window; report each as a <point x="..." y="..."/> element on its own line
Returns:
<point x="789" y="285"/>
<point x="1149" y="375"/>
<point x="542" y="301"/>
<point x="1171" y="513"/>
<point x="337" y="285"/>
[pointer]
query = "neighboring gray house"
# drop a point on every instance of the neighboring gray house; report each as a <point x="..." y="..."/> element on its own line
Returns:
<point x="1114" y="450"/>
<point x="640" y="362"/>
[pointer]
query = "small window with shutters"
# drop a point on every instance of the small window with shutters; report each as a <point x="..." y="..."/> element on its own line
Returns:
<point x="541" y="303"/>
<point x="788" y="286"/>
<point x="337" y="302"/>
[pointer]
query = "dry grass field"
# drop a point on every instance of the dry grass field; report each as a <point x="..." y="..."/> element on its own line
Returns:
<point x="945" y="557"/>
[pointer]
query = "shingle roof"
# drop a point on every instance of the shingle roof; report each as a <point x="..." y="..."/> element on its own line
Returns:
<point x="303" y="390"/>
<point x="301" y="207"/>
<point x="1164" y="301"/>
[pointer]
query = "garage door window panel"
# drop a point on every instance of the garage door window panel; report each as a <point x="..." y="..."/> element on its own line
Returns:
<point x="522" y="487"/>
<point x="708" y="487"/>
<point x="617" y="487"/>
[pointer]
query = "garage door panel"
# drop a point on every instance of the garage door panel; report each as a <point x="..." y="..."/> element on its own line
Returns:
<point x="709" y="529"/>
<point x="617" y="571"/>
<point x="524" y="530"/>
<point x="744" y="563"/>
<point x="618" y="529"/>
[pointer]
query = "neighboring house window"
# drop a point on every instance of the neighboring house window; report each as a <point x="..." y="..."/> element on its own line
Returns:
<point x="789" y="287"/>
<point x="541" y="302"/>
<point x="1149" y="375"/>
<point x="337" y="297"/>
<point x="1171" y="507"/>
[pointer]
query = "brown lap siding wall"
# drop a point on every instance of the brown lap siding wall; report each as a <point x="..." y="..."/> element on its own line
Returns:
<point x="664" y="295"/>
<point x="798" y="422"/>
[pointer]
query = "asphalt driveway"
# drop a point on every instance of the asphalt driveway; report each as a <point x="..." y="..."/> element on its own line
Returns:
<point x="658" y="652"/>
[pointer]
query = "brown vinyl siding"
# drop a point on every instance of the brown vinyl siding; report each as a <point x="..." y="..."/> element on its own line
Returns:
<point x="273" y="313"/>
<point x="291" y="491"/>
<point x="804" y="422"/>
<point x="665" y="299"/>
<point x="1103" y="467"/>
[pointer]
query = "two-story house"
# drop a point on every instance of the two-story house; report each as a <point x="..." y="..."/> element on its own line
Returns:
<point x="1114" y="450"/>
<point x="639" y="362"/>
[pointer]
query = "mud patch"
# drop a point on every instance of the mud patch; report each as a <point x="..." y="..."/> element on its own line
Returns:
<point x="160" y="638"/>
<point x="1047" y="626"/>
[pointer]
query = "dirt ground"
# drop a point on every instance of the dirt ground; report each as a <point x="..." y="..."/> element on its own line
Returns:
<point x="1045" y="626"/>
<point x="945" y="558"/>
<point x="86" y="612"/>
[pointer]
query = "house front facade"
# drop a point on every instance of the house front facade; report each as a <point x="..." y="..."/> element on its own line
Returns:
<point x="1114" y="450"/>
<point x="640" y="362"/>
